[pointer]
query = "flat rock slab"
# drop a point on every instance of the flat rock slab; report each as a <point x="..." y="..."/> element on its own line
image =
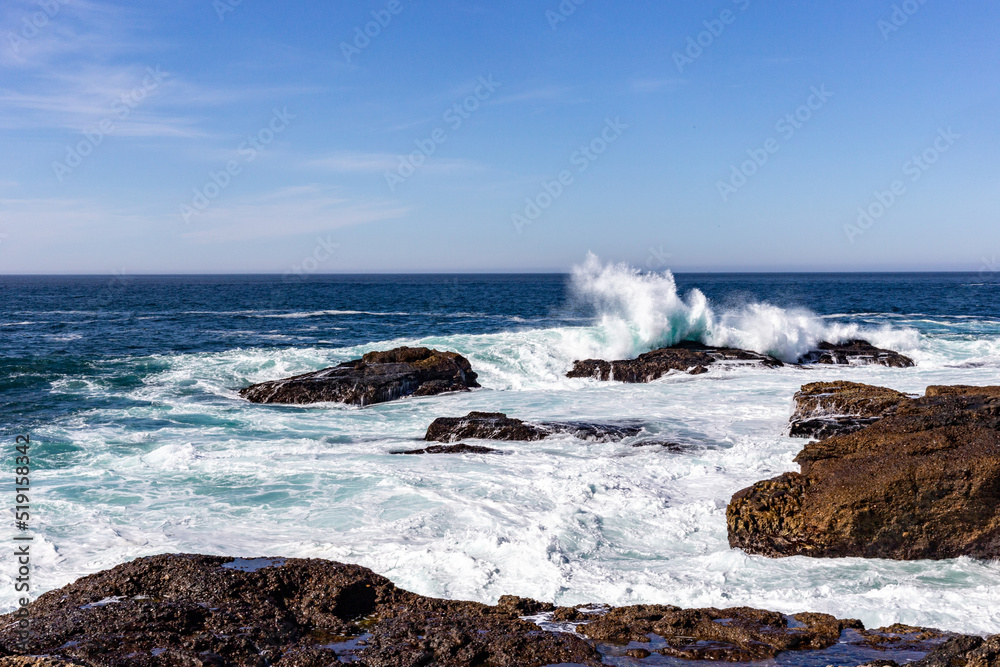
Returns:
<point x="377" y="377"/>
<point x="824" y="409"/>
<point x="498" y="426"/>
<point x="921" y="482"/>
<point x="177" y="609"/>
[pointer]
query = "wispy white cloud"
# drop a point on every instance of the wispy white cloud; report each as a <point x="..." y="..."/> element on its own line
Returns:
<point x="376" y="163"/>
<point x="540" y="94"/>
<point x="353" y="162"/>
<point x="286" y="212"/>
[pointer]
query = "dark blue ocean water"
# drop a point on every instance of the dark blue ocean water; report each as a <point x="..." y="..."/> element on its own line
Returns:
<point x="59" y="327"/>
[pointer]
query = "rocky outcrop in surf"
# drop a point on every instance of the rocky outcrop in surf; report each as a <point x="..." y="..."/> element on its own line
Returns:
<point x="923" y="481"/>
<point x="376" y="377"/>
<point x="824" y="409"/>
<point x="685" y="357"/>
<point x="498" y="426"/>
<point x="855" y="352"/>
<point x="208" y="610"/>
<point x="695" y="358"/>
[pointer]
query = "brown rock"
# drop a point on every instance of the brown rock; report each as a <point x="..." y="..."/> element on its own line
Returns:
<point x="922" y="482"/>
<point x="375" y="378"/>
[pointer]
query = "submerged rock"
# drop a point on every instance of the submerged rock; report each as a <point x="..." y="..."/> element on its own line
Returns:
<point x="686" y="357"/>
<point x="824" y="409"/>
<point x="921" y="482"/>
<point x="498" y="426"/>
<point x="377" y="377"/>
<point x="857" y="352"/>
<point x="206" y="610"/>
<point x="452" y="449"/>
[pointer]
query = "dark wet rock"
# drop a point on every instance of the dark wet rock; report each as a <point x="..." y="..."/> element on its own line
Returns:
<point x="824" y="409"/>
<point x="375" y="378"/>
<point x="961" y="390"/>
<point x="193" y="610"/>
<point x="205" y="610"/>
<point x="857" y="352"/>
<point x="664" y="444"/>
<point x="922" y="482"/>
<point x="461" y="448"/>
<point x="728" y="635"/>
<point x="639" y="653"/>
<point x="986" y="655"/>
<point x="483" y="426"/>
<point x="425" y="631"/>
<point x="686" y="357"/>
<point x="955" y="651"/>
<point x="498" y="426"/>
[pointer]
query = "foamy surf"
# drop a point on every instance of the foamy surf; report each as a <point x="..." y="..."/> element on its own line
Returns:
<point x="161" y="455"/>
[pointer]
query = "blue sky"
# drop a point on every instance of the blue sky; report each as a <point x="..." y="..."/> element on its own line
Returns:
<point x="244" y="136"/>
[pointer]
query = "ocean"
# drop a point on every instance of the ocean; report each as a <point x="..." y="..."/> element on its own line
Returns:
<point x="128" y="388"/>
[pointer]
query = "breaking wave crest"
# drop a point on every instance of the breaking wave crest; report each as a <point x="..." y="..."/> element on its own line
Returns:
<point x="638" y="312"/>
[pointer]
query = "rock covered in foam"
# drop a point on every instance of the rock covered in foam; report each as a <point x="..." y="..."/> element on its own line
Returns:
<point x="855" y="352"/>
<point x="921" y="482"/>
<point x="375" y="378"/>
<point x="498" y="426"/>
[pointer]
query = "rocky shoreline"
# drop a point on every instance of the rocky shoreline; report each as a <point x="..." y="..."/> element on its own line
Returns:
<point x="180" y="609"/>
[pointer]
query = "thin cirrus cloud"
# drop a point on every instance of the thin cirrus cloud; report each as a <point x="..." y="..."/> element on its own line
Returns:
<point x="286" y="212"/>
<point x="376" y="163"/>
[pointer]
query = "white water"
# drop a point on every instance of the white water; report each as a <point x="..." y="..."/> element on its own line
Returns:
<point x="639" y="312"/>
<point x="190" y="467"/>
